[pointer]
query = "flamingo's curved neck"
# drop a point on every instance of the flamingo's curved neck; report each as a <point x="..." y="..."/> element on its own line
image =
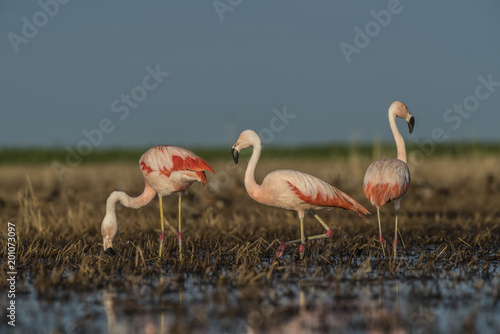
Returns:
<point x="131" y="202"/>
<point x="400" y="144"/>
<point x="250" y="184"/>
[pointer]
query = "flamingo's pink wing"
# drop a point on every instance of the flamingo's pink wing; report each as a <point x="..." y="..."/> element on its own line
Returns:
<point x="167" y="159"/>
<point x="317" y="192"/>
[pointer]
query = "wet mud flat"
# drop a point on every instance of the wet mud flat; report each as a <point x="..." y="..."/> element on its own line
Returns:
<point x="446" y="277"/>
<point x="419" y="294"/>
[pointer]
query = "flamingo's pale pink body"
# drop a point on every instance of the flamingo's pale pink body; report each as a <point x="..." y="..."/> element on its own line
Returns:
<point x="388" y="180"/>
<point x="170" y="169"/>
<point x="292" y="190"/>
<point x="166" y="170"/>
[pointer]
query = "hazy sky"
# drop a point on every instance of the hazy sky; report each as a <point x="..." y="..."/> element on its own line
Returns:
<point x="230" y="63"/>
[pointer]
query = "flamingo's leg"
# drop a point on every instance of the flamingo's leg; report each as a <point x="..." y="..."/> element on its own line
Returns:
<point x="321" y="221"/>
<point x="179" y="235"/>
<point x="302" y="247"/>
<point x="302" y="240"/>
<point x="381" y="238"/>
<point x="395" y="243"/>
<point x="292" y="242"/>
<point x="328" y="233"/>
<point x="162" y="234"/>
<point x="315" y="237"/>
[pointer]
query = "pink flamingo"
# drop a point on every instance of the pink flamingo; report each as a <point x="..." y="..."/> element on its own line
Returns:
<point x="166" y="170"/>
<point x="292" y="190"/>
<point x="388" y="180"/>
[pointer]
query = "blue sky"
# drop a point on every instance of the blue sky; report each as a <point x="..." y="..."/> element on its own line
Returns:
<point x="228" y="75"/>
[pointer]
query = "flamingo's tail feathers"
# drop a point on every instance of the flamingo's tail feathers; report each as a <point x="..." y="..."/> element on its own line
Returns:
<point x="335" y="198"/>
<point x="203" y="165"/>
<point x="195" y="164"/>
<point x="362" y="211"/>
<point x="350" y="204"/>
<point x="203" y="177"/>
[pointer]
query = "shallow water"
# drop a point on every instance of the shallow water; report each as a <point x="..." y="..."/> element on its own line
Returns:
<point x="450" y="302"/>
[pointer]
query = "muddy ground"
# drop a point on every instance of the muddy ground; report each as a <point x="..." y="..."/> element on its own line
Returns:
<point x="446" y="277"/>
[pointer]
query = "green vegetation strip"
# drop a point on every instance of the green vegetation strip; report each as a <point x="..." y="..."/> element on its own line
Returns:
<point x="43" y="155"/>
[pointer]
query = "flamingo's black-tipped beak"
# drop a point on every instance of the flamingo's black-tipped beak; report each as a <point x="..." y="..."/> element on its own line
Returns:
<point x="411" y="124"/>
<point x="110" y="251"/>
<point x="235" y="155"/>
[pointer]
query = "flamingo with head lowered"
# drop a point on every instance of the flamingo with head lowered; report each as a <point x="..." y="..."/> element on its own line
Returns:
<point x="292" y="190"/>
<point x="166" y="170"/>
<point x="388" y="180"/>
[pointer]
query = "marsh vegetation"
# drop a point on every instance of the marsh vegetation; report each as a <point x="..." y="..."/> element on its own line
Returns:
<point x="446" y="276"/>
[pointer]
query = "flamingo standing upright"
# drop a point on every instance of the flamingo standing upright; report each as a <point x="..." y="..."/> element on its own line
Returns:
<point x="388" y="180"/>
<point x="166" y="170"/>
<point x="292" y="190"/>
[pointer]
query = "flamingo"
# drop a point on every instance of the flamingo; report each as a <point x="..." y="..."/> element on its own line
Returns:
<point x="292" y="190"/>
<point x="388" y="180"/>
<point x="166" y="170"/>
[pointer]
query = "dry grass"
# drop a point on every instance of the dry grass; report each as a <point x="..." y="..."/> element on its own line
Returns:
<point x="450" y="223"/>
<point x="452" y="207"/>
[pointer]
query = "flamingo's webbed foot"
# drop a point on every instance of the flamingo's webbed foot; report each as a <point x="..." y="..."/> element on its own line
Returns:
<point x="281" y="250"/>
<point x="302" y="249"/>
